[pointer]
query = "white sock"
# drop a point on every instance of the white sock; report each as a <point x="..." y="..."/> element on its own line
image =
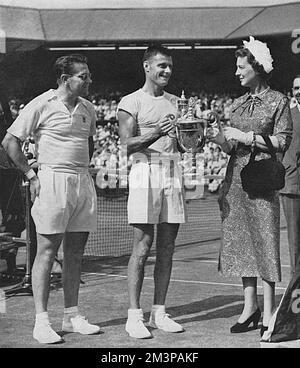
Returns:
<point x="71" y="312"/>
<point x="134" y="312"/>
<point x="42" y="318"/>
<point x="158" y="307"/>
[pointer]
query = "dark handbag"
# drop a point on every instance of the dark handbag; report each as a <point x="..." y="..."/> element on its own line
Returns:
<point x="263" y="176"/>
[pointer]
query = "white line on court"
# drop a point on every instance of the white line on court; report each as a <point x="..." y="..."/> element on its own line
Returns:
<point x="178" y="280"/>
<point x="174" y="259"/>
<point x="207" y="311"/>
<point x="177" y="260"/>
<point x="216" y="262"/>
<point x="208" y="261"/>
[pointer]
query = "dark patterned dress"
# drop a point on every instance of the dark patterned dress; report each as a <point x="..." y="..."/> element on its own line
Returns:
<point x="250" y="227"/>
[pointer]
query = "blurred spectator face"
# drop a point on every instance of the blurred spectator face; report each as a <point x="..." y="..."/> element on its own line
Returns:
<point x="13" y="108"/>
<point x="296" y="89"/>
<point x="204" y="106"/>
<point x="13" y="104"/>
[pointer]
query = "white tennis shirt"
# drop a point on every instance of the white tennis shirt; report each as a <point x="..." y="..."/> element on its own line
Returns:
<point x="147" y="110"/>
<point x="61" y="137"/>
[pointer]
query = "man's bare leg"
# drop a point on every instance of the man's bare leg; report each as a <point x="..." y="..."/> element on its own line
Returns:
<point x="47" y="246"/>
<point x="74" y="244"/>
<point x="166" y="236"/>
<point x="143" y="238"/>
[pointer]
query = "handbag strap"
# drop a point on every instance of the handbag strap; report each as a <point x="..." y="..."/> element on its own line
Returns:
<point x="270" y="148"/>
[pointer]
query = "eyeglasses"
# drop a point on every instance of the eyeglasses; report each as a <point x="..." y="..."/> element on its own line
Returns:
<point x="83" y="77"/>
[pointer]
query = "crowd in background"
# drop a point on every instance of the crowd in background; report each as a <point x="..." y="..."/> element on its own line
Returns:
<point x="211" y="161"/>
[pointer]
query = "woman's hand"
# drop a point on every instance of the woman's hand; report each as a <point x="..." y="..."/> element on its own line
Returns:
<point x="238" y="135"/>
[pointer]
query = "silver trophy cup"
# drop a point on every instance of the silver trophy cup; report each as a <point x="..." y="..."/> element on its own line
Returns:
<point x="192" y="132"/>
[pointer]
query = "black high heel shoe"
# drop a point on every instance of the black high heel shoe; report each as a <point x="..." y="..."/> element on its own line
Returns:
<point x="244" y="327"/>
<point x="263" y="329"/>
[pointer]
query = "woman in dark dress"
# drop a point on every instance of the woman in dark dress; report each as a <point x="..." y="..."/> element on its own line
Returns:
<point x="250" y="226"/>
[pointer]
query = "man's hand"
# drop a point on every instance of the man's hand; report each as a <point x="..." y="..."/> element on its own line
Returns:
<point x="218" y="139"/>
<point x="164" y="126"/>
<point x="34" y="188"/>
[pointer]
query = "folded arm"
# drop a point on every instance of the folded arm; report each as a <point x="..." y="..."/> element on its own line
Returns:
<point x="128" y="130"/>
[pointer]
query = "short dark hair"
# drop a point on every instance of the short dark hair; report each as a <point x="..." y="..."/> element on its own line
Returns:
<point x="155" y="49"/>
<point x="65" y="64"/>
<point x="242" y="52"/>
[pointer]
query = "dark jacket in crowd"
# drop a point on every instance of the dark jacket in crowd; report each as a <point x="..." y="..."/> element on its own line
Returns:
<point x="291" y="160"/>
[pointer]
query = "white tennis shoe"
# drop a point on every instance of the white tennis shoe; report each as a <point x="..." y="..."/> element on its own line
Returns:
<point x="160" y="319"/>
<point x="79" y="324"/>
<point x="135" y="325"/>
<point x="44" y="333"/>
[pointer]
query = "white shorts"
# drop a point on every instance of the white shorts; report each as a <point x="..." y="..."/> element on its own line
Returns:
<point x="67" y="202"/>
<point x="156" y="194"/>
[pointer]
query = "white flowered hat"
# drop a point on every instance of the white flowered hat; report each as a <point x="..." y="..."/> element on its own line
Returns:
<point x="261" y="53"/>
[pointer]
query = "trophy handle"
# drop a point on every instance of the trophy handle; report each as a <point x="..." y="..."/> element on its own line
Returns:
<point x="213" y="125"/>
<point x="213" y="119"/>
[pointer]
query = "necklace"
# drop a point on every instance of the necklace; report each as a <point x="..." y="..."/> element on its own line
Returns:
<point x="260" y="93"/>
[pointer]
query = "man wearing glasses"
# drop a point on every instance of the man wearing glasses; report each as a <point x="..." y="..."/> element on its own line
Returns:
<point x="291" y="191"/>
<point x="63" y="195"/>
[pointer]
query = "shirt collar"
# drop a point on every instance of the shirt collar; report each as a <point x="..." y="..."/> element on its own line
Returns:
<point x="53" y="97"/>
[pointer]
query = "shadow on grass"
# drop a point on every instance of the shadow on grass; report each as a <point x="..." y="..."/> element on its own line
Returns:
<point x="109" y="265"/>
<point x="182" y="312"/>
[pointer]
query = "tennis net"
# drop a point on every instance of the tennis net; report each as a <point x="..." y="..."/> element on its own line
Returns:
<point x="114" y="237"/>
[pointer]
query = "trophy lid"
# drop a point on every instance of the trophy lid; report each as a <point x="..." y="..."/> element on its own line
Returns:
<point x="182" y="102"/>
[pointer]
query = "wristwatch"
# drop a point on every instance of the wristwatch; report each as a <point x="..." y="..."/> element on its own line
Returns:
<point x="30" y="174"/>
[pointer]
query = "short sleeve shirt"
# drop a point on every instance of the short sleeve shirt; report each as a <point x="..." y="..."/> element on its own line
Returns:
<point x="147" y="110"/>
<point x="61" y="136"/>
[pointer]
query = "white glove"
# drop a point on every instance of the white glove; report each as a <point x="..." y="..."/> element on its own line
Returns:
<point x="238" y="135"/>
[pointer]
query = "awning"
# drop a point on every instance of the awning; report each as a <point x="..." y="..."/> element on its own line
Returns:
<point x="277" y="20"/>
<point x="27" y="28"/>
<point x="23" y="28"/>
<point x="143" y="24"/>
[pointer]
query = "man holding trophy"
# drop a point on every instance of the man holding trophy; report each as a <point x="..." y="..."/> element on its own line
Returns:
<point x="155" y="189"/>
